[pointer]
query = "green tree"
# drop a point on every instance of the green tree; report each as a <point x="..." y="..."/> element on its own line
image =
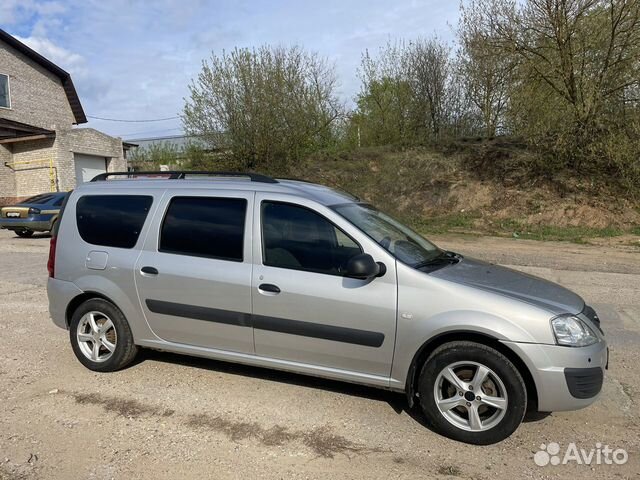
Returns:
<point x="265" y="107"/>
<point x="406" y="93"/>
<point x="162" y="153"/>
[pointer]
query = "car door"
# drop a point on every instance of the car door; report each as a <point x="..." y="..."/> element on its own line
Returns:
<point x="194" y="273"/>
<point x="304" y="309"/>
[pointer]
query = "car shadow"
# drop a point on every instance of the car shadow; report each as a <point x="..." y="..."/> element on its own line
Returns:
<point x="396" y="401"/>
<point x="35" y="236"/>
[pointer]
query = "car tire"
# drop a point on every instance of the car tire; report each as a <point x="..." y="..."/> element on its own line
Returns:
<point x="483" y="404"/>
<point x="24" y="233"/>
<point x="100" y="336"/>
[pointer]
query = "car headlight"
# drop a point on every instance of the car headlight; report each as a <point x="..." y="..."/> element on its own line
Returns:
<point x="572" y="332"/>
<point x="34" y="211"/>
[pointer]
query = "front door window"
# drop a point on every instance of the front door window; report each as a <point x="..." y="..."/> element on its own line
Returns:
<point x="298" y="238"/>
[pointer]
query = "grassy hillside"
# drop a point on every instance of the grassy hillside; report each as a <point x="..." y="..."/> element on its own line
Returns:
<point x="481" y="189"/>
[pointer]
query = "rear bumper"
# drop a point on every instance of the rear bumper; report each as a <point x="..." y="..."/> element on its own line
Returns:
<point x="566" y="378"/>
<point x="60" y="294"/>
<point x="34" y="222"/>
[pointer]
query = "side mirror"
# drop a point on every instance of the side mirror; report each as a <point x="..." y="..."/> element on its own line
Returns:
<point x="364" y="267"/>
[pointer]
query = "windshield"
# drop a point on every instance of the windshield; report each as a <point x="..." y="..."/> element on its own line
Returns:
<point x="402" y="242"/>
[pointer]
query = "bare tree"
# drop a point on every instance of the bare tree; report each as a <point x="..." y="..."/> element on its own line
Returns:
<point x="487" y="72"/>
<point x="428" y="64"/>
<point x="585" y="51"/>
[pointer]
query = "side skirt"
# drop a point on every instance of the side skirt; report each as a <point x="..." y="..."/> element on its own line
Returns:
<point x="274" y="363"/>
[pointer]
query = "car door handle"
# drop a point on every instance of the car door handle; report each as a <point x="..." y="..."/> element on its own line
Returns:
<point x="268" y="287"/>
<point x="149" y="270"/>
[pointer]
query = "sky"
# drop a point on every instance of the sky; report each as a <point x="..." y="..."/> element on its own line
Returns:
<point x="134" y="59"/>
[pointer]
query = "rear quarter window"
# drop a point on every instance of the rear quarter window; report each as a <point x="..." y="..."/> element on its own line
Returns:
<point x="112" y="220"/>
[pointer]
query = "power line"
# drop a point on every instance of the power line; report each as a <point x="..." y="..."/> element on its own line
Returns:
<point x="147" y="131"/>
<point x="133" y="121"/>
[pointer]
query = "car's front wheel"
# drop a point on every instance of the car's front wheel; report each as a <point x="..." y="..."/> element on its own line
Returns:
<point x="472" y="393"/>
<point x="100" y="336"/>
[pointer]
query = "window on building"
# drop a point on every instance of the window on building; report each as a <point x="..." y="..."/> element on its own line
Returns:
<point x="298" y="238"/>
<point x="5" y="101"/>
<point x="205" y="227"/>
<point x="112" y="220"/>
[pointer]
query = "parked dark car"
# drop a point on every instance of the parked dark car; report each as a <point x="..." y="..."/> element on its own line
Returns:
<point x="36" y="214"/>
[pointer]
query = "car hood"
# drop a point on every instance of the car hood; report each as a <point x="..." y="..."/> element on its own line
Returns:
<point x="511" y="283"/>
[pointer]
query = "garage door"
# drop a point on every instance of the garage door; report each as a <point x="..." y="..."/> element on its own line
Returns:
<point x="88" y="166"/>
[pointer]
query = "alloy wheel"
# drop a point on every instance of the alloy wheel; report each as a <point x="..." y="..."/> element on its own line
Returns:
<point x="470" y="396"/>
<point x="97" y="337"/>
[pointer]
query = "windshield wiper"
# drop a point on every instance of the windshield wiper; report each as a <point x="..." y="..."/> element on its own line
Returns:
<point x="442" y="257"/>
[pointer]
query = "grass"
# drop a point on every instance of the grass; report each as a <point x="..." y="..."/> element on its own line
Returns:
<point x="461" y="222"/>
<point x="465" y="222"/>
<point x="555" y="233"/>
<point x="449" y="470"/>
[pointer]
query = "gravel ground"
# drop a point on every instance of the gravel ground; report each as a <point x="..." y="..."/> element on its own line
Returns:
<point x="171" y="416"/>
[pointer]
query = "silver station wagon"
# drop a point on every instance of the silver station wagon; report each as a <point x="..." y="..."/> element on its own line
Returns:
<point x="300" y="277"/>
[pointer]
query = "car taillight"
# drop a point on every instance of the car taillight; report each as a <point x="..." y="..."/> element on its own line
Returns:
<point x="51" y="263"/>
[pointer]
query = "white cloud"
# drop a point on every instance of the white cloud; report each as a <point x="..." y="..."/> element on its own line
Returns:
<point x="70" y="61"/>
<point x="15" y="11"/>
<point x="134" y="58"/>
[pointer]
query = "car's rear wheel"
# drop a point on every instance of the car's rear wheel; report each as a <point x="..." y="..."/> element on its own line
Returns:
<point x="472" y="393"/>
<point x="24" y="233"/>
<point x="100" y="336"/>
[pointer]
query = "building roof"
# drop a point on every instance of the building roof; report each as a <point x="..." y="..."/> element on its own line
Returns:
<point x="65" y="78"/>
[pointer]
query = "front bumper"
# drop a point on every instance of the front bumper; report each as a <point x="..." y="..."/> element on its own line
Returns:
<point x="39" y="223"/>
<point x="566" y="378"/>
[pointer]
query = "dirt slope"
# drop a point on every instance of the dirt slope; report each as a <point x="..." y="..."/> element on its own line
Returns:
<point x="422" y="183"/>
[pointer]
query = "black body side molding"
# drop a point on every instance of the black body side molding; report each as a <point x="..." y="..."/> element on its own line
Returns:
<point x="273" y="324"/>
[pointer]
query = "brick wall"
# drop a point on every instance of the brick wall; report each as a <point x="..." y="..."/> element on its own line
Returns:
<point x="7" y="177"/>
<point x="30" y="179"/>
<point x="89" y="142"/>
<point x="34" y="177"/>
<point x="37" y="95"/>
<point x="38" y="99"/>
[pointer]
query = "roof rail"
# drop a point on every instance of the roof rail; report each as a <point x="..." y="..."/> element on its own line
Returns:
<point x="181" y="174"/>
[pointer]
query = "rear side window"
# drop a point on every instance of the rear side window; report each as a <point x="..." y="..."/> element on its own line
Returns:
<point x="112" y="220"/>
<point x="205" y="227"/>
